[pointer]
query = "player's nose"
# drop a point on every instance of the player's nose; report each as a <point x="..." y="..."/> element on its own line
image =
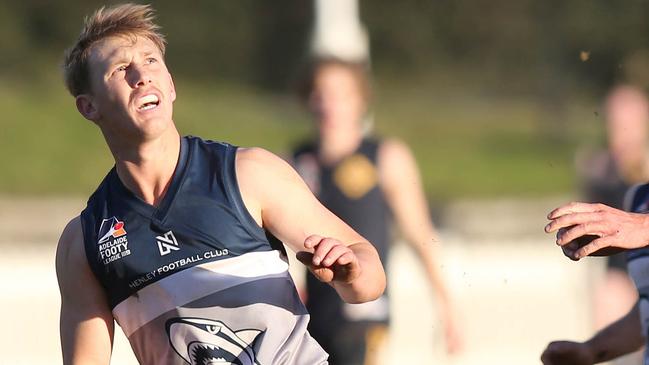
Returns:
<point x="139" y="76"/>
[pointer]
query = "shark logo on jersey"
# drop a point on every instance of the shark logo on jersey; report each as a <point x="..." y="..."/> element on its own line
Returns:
<point x="111" y="227"/>
<point x="204" y="341"/>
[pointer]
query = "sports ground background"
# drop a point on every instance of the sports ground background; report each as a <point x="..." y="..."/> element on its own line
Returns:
<point x="494" y="99"/>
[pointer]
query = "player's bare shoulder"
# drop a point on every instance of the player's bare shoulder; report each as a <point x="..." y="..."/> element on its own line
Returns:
<point x="70" y="252"/>
<point x="261" y="175"/>
<point x="395" y="161"/>
<point x="393" y="151"/>
<point x="256" y="165"/>
<point x="257" y="157"/>
<point x="71" y="240"/>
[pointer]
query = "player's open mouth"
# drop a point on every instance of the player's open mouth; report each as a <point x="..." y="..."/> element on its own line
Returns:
<point x="148" y="102"/>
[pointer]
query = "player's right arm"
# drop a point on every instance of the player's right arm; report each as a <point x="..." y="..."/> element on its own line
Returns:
<point x="619" y="338"/>
<point x="86" y="322"/>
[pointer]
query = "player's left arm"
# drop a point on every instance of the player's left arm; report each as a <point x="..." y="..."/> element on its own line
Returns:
<point x="282" y="203"/>
<point x="401" y="183"/>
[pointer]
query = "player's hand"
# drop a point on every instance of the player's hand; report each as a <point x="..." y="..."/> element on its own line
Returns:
<point x="331" y="260"/>
<point x="571" y="248"/>
<point x="567" y="353"/>
<point x="585" y="229"/>
<point x="453" y="335"/>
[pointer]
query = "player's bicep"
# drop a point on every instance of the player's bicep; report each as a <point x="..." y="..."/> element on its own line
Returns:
<point x="86" y="322"/>
<point x="288" y="209"/>
<point x="302" y="215"/>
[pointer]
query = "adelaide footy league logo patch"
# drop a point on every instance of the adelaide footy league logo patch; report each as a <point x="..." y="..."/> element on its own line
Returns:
<point x="111" y="228"/>
<point x="113" y="243"/>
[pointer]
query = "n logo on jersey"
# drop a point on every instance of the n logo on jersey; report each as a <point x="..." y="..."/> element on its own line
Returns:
<point x="167" y="243"/>
<point x="111" y="228"/>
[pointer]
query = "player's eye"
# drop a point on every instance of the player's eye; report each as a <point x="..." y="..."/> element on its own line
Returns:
<point x="212" y="329"/>
<point x="119" y="69"/>
<point x="151" y="60"/>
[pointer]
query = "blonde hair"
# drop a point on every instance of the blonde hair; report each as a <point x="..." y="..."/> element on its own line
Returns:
<point x="126" y="20"/>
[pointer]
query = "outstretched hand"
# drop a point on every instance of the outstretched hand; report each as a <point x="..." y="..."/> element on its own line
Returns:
<point x="596" y="229"/>
<point x="330" y="261"/>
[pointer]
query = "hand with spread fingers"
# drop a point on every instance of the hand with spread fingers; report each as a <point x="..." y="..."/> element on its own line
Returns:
<point x="567" y="352"/>
<point x="597" y="230"/>
<point x="331" y="260"/>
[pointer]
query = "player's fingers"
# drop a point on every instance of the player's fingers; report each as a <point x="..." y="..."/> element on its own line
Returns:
<point x="575" y="207"/>
<point x="324" y="274"/>
<point x="321" y="273"/>
<point x="568" y="220"/>
<point x="593" y="246"/>
<point x="322" y="249"/>
<point x="561" y="222"/>
<point x="589" y="228"/>
<point x="348" y="258"/>
<point x="312" y="241"/>
<point x="334" y="255"/>
<point x="570" y="250"/>
<point x="347" y="268"/>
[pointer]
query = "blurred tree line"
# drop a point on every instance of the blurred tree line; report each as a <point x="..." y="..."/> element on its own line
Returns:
<point x="524" y="46"/>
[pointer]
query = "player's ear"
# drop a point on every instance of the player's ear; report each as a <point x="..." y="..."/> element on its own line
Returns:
<point x="87" y="108"/>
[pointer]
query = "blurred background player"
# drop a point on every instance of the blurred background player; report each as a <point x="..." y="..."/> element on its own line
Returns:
<point x="607" y="174"/>
<point x="629" y="332"/>
<point x="365" y="181"/>
<point x="605" y="177"/>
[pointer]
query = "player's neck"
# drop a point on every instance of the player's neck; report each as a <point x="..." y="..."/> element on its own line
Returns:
<point x="335" y="145"/>
<point x="147" y="168"/>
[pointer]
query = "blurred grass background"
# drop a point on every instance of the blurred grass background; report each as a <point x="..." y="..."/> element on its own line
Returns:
<point x="494" y="100"/>
<point x="466" y="146"/>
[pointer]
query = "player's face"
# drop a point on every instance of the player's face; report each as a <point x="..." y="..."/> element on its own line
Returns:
<point x="336" y="101"/>
<point x="132" y="92"/>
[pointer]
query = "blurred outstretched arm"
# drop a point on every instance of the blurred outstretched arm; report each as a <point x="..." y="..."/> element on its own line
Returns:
<point x="403" y="189"/>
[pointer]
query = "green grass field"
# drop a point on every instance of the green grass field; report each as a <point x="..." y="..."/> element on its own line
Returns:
<point x="467" y="146"/>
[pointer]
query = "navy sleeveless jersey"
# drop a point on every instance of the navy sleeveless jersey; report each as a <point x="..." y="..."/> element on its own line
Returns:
<point x="351" y="190"/>
<point x="195" y="280"/>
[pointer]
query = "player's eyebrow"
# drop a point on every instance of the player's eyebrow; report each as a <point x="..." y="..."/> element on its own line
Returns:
<point x="117" y="55"/>
<point x="120" y="56"/>
<point x="150" y="53"/>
